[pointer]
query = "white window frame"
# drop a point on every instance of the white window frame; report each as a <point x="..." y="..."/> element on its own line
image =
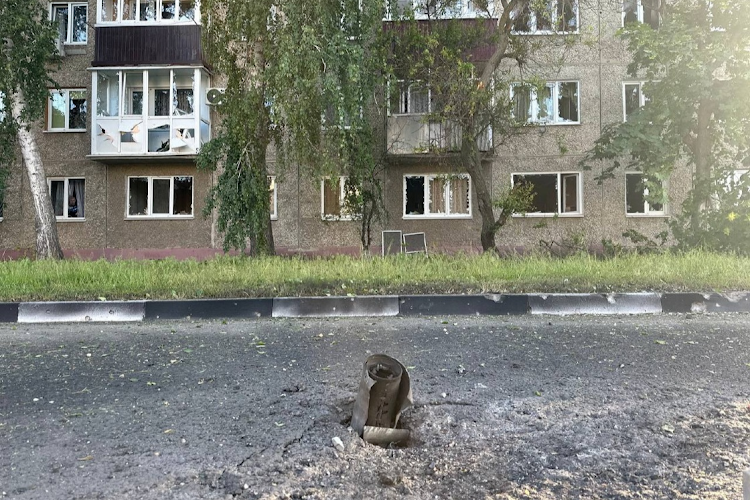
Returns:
<point x="647" y="210"/>
<point x="447" y="195"/>
<point x="554" y="112"/>
<point x="65" y="217"/>
<point x="158" y="19"/>
<point x="561" y="179"/>
<point x="553" y="21"/>
<point x="463" y="9"/>
<point x="417" y="84"/>
<point x="66" y="94"/>
<point x="641" y="98"/>
<point x="639" y="12"/>
<point x="345" y="215"/>
<point x="272" y="187"/>
<point x="150" y="198"/>
<point x="69" y="29"/>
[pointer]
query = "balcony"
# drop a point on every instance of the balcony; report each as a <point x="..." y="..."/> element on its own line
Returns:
<point x="159" y="112"/>
<point x="414" y="135"/>
<point x="158" y="45"/>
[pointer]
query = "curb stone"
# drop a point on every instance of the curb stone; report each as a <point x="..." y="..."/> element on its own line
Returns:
<point x="363" y="306"/>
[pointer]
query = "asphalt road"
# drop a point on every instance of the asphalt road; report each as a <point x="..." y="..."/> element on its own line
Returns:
<point x="513" y="407"/>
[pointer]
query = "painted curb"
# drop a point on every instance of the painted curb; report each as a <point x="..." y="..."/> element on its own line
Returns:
<point x="8" y="312"/>
<point x="711" y="302"/>
<point x="300" y="307"/>
<point x="70" y="312"/>
<point x="489" y="305"/>
<point x="208" y="308"/>
<point x="593" y="303"/>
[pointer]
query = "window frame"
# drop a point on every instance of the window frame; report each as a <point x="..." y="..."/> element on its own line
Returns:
<point x="69" y="28"/>
<point x="273" y="189"/>
<point x="555" y="96"/>
<point x="647" y="211"/>
<point x="560" y="193"/>
<point x="408" y="91"/>
<point x="642" y="100"/>
<point x="343" y="214"/>
<point x="553" y="21"/>
<point x="427" y="202"/>
<point x="157" y="19"/>
<point x="640" y="14"/>
<point x="150" y="198"/>
<point x="66" y="186"/>
<point x="66" y="93"/>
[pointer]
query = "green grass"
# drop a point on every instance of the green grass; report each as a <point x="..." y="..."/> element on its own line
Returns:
<point x="286" y="277"/>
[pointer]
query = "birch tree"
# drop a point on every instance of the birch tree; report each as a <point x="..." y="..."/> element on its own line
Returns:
<point x="301" y="78"/>
<point x="28" y="50"/>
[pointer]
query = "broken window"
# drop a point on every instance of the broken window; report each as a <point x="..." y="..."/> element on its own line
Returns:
<point x="552" y="103"/>
<point x="67" y="110"/>
<point x="68" y="197"/>
<point x="636" y="197"/>
<point x="641" y="11"/>
<point x="553" y="194"/>
<point x="437" y="196"/>
<point x="550" y="16"/>
<point x="160" y="196"/>
<point x="336" y="196"/>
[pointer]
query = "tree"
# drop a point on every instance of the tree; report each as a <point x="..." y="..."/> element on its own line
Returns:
<point x="472" y="94"/>
<point x="697" y="115"/>
<point x="301" y="78"/>
<point x="28" y="50"/>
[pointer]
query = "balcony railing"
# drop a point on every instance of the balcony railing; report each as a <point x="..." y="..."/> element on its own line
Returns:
<point x="412" y="134"/>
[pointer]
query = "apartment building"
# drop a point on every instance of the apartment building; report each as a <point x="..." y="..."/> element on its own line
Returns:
<point x="120" y="138"/>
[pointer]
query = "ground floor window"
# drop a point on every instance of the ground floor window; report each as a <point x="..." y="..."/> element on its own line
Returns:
<point x="636" y="194"/>
<point x="437" y="195"/>
<point x="336" y="195"/>
<point x="554" y="194"/>
<point x="68" y="197"/>
<point x="160" y="196"/>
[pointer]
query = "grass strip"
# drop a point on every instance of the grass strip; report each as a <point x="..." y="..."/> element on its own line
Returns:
<point x="226" y="276"/>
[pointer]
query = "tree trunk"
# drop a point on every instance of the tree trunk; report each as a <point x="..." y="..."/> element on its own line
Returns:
<point x="47" y="240"/>
<point x="702" y="155"/>
<point x="473" y="164"/>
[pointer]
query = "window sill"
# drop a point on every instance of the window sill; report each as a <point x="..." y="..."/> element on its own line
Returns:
<point x="74" y="49"/>
<point x="70" y="219"/>
<point x="437" y="217"/>
<point x="537" y="125"/>
<point x="64" y="131"/>
<point x="159" y="217"/>
<point x="333" y="218"/>
<point x="545" y="33"/>
<point x="648" y="216"/>
<point x="548" y="216"/>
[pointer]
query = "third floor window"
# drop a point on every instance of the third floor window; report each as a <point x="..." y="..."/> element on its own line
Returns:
<point x="149" y="11"/>
<point x="70" y="19"/>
